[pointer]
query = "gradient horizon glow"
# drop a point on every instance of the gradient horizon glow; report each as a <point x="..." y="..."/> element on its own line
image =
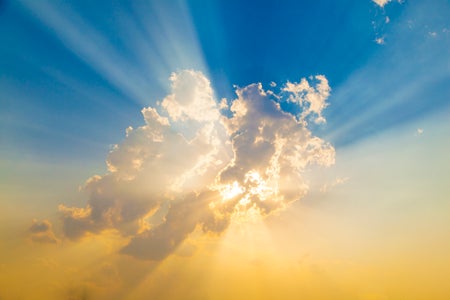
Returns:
<point x="193" y="149"/>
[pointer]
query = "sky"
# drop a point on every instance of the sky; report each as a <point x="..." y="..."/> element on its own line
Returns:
<point x="189" y="149"/>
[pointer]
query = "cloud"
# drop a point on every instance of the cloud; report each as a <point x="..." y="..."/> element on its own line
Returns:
<point x="192" y="98"/>
<point x="181" y="219"/>
<point x="380" y="41"/>
<point x="338" y="181"/>
<point x="311" y="98"/>
<point x="381" y="3"/>
<point x="419" y="131"/>
<point x="271" y="147"/>
<point x="197" y="164"/>
<point x="42" y="232"/>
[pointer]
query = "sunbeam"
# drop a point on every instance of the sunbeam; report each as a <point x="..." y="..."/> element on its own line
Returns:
<point x="159" y="45"/>
<point x="369" y="101"/>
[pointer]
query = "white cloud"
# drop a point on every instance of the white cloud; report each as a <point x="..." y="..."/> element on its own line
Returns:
<point x="381" y="3"/>
<point x="223" y="104"/>
<point x="271" y="148"/>
<point x="196" y="168"/>
<point x="380" y="41"/>
<point x="192" y="97"/>
<point x="311" y="98"/>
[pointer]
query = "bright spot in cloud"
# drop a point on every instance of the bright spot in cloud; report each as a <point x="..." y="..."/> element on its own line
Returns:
<point x="199" y="163"/>
<point x="230" y="191"/>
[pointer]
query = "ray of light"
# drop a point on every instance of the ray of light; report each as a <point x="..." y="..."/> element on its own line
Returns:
<point x="133" y="74"/>
<point x="405" y="81"/>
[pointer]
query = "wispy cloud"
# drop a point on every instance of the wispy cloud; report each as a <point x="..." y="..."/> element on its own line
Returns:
<point x="338" y="181"/>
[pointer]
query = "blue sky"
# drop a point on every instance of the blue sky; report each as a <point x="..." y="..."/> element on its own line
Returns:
<point x="75" y="74"/>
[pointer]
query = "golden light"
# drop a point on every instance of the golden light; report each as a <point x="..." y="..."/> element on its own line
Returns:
<point x="230" y="191"/>
<point x="258" y="186"/>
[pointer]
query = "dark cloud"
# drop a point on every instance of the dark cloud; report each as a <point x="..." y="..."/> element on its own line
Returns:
<point x="182" y="218"/>
<point x="41" y="232"/>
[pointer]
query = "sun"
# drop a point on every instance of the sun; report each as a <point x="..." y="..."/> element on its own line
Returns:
<point x="248" y="197"/>
<point x="230" y="191"/>
<point x="253" y="185"/>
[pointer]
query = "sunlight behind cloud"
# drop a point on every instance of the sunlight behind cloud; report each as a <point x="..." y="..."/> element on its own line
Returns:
<point x="190" y="149"/>
<point x="190" y="166"/>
